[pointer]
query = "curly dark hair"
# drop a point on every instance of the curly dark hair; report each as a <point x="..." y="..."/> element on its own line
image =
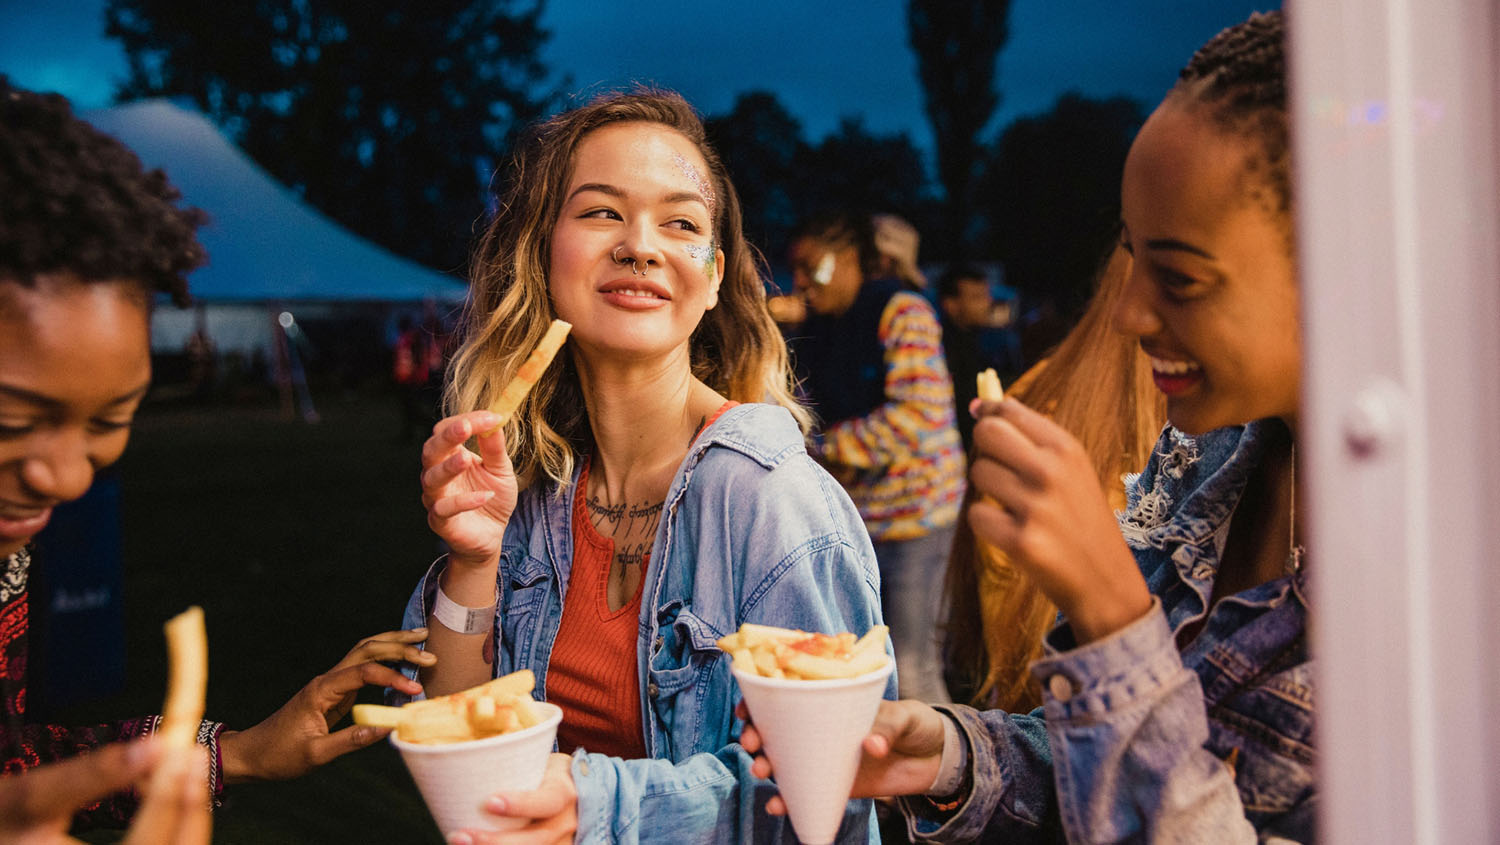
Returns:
<point x="75" y="200"/>
<point x="1240" y="76"/>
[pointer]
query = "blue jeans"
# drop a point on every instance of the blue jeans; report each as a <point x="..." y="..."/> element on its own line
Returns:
<point x="912" y="573"/>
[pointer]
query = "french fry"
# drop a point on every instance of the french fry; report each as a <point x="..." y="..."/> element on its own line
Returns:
<point x="988" y="385"/>
<point x="187" y="679"/>
<point x="799" y="655"/>
<point x="530" y="372"/>
<point x="494" y="707"/>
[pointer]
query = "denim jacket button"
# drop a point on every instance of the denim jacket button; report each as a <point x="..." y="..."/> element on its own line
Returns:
<point x="652" y="689"/>
<point x="660" y="640"/>
<point x="1060" y="687"/>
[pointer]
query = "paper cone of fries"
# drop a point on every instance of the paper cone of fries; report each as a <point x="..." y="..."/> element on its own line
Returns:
<point x="455" y="778"/>
<point x="812" y="732"/>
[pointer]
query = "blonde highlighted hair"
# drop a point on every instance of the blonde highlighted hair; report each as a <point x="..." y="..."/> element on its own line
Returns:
<point x="736" y="349"/>
<point x="1097" y="385"/>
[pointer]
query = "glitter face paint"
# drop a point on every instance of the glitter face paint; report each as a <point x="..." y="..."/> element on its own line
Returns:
<point x="823" y="273"/>
<point x="705" y="254"/>
<point x="703" y="185"/>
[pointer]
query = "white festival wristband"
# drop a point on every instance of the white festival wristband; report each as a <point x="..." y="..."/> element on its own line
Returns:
<point x="460" y="619"/>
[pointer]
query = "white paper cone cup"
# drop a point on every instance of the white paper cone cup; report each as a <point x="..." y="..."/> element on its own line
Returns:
<point x="455" y="778"/>
<point x="812" y="732"/>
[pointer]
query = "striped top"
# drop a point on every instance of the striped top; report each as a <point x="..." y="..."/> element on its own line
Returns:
<point x="902" y="463"/>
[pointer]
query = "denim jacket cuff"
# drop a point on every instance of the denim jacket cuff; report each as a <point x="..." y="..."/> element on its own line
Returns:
<point x="1132" y="663"/>
<point x="926" y="823"/>
<point x="596" y="787"/>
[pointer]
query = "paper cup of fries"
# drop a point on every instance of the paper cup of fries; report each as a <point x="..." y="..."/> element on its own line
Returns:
<point x="463" y="748"/>
<point x="812" y="729"/>
<point x="455" y="778"/>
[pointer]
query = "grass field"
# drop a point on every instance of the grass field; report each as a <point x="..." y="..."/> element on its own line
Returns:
<point x="297" y="540"/>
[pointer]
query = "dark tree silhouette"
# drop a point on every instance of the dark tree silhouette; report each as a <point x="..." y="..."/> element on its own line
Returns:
<point x="783" y="178"/>
<point x="853" y="167"/>
<point x="957" y="43"/>
<point x="762" y="146"/>
<point x="388" y="116"/>
<point x="1051" y="194"/>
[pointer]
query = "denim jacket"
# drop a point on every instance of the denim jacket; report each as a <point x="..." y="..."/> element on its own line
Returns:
<point x="754" y="531"/>
<point x="1136" y="741"/>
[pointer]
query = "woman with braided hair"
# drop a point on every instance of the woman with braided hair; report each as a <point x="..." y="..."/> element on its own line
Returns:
<point x="1178" y="693"/>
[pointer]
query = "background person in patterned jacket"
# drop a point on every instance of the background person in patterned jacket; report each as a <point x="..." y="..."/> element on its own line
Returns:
<point x="870" y="356"/>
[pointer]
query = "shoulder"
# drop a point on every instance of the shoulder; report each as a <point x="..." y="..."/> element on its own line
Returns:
<point x="752" y="475"/>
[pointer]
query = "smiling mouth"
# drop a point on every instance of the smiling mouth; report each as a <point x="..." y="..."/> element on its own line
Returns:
<point x="1174" y="377"/>
<point x="1162" y="366"/>
<point x="644" y="294"/>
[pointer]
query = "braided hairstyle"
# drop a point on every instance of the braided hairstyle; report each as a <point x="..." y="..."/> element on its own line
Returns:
<point x="1239" y="76"/>
<point x="75" y="200"/>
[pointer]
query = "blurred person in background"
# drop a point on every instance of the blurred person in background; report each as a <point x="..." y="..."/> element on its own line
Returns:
<point x="87" y="240"/>
<point x="898" y="243"/>
<point x="966" y="305"/>
<point x="870" y="356"/>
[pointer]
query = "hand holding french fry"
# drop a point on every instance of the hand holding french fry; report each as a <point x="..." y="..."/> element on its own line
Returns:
<point x="469" y="495"/>
<point x="1040" y="504"/>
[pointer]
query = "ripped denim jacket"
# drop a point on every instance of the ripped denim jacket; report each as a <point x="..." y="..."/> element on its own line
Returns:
<point x="1136" y="741"/>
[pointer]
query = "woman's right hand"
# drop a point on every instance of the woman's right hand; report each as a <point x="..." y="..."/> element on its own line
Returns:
<point x="469" y="497"/>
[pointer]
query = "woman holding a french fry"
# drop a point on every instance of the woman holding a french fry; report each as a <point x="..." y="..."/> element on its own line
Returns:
<point x="1178" y="696"/>
<point x="640" y="497"/>
<point x="89" y="239"/>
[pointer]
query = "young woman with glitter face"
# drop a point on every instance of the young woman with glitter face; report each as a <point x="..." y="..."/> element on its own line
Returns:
<point x="1178" y="695"/>
<point x="651" y="494"/>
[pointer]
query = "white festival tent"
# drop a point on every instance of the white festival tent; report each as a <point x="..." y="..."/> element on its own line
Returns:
<point x="267" y="250"/>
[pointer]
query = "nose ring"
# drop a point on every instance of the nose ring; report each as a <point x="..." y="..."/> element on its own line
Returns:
<point x="635" y="266"/>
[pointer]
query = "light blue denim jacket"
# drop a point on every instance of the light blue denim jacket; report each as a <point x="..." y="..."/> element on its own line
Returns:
<point x="754" y="531"/>
<point x="1136" y="741"/>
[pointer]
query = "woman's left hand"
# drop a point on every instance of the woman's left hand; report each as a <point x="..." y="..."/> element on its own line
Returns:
<point x="551" y="811"/>
<point x="1046" y="510"/>
<point x="299" y="736"/>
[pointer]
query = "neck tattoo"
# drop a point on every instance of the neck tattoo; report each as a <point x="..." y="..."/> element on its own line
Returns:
<point x="631" y="526"/>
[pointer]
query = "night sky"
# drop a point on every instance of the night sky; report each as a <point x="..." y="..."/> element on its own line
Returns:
<point x="824" y="59"/>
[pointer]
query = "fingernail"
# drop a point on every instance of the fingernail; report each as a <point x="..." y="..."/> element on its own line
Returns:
<point x="495" y="804"/>
<point x="421" y="630"/>
<point x="974" y="407"/>
<point x="460" y="838"/>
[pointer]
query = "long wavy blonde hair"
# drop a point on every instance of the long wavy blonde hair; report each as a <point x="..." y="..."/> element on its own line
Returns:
<point x="1097" y="385"/>
<point x="736" y="349"/>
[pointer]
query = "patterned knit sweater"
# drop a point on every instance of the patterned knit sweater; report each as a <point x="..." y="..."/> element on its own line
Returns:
<point x="901" y="460"/>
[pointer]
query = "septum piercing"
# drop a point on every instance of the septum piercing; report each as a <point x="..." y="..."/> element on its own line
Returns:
<point x="635" y="265"/>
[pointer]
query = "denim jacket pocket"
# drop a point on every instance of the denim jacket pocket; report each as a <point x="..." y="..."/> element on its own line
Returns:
<point x="683" y="657"/>
<point x="524" y="583"/>
<point x="1267" y="731"/>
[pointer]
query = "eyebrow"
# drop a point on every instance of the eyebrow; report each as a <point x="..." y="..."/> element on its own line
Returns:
<point x="611" y="190"/>
<point x="1174" y="245"/>
<point x="52" y="404"/>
